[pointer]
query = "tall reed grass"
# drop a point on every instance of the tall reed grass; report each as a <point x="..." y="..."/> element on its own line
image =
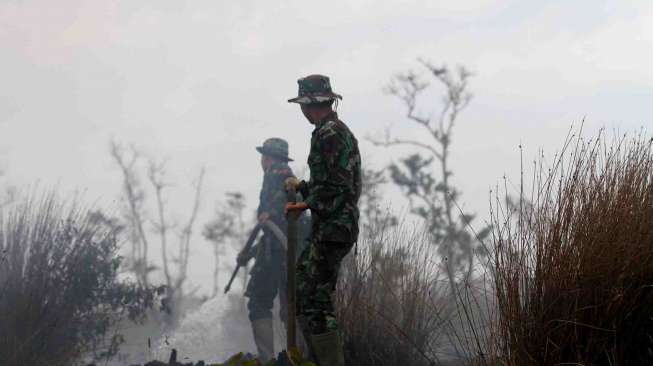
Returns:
<point x="574" y="274"/>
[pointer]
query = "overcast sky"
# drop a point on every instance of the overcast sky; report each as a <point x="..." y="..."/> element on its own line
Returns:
<point x="203" y="82"/>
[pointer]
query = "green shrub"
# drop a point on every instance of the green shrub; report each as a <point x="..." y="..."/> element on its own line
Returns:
<point x="59" y="289"/>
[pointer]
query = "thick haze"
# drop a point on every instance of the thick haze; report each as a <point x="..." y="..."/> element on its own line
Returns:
<point x="204" y="82"/>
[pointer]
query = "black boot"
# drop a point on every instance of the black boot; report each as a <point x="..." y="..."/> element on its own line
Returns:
<point x="264" y="338"/>
<point x="328" y="349"/>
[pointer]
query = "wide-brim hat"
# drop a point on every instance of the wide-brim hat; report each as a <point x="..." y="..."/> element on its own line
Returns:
<point x="275" y="147"/>
<point x="314" y="89"/>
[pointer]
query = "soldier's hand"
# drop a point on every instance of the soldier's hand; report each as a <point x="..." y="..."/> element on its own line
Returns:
<point x="295" y="207"/>
<point x="243" y="258"/>
<point x="263" y="217"/>
<point x="291" y="182"/>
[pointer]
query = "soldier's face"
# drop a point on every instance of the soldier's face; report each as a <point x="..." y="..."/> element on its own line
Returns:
<point x="266" y="162"/>
<point x="307" y="112"/>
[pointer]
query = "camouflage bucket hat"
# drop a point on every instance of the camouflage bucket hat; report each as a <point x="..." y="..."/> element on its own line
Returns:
<point x="314" y="89"/>
<point x="275" y="147"/>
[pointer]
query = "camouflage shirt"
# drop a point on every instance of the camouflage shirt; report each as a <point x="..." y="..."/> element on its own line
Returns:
<point x="334" y="187"/>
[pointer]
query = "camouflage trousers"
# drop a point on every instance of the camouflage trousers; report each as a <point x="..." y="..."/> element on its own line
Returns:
<point x="267" y="280"/>
<point x="317" y="276"/>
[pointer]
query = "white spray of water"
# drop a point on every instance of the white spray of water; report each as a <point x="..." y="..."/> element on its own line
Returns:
<point x="217" y="330"/>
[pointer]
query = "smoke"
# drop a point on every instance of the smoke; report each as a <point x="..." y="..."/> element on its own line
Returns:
<point x="217" y="330"/>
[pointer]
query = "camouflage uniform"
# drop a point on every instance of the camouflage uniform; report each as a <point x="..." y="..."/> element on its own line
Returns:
<point x="332" y="195"/>
<point x="268" y="275"/>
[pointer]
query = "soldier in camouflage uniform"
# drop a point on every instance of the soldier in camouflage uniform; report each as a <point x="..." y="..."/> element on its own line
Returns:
<point x="268" y="275"/>
<point x="332" y="195"/>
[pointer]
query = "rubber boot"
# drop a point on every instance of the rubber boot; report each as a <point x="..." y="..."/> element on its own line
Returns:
<point x="328" y="349"/>
<point x="304" y="337"/>
<point x="264" y="338"/>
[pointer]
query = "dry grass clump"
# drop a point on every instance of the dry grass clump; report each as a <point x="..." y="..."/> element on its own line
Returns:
<point x="574" y="274"/>
<point x="393" y="301"/>
<point x="59" y="292"/>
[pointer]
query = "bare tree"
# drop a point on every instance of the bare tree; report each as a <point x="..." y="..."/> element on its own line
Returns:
<point x="236" y="205"/>
<point x="133" y="197"/>
<point x="227" y="227"/>
<point x="174" y="266"/>
<point x="174" y="280"/>
<point x="219" y="231"/>
<point x="431" y="197"/>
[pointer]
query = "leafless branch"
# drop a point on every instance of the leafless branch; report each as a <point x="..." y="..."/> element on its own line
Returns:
<point x="134" y="197"/>
<point x="156" y="173"/>
<point x="389" y="141"/>
<point x="186" y="234"/>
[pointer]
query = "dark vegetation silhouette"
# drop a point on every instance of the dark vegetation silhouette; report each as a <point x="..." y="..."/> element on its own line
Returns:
<point x="573" y="274"/>
<point x="60" y="295"/>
